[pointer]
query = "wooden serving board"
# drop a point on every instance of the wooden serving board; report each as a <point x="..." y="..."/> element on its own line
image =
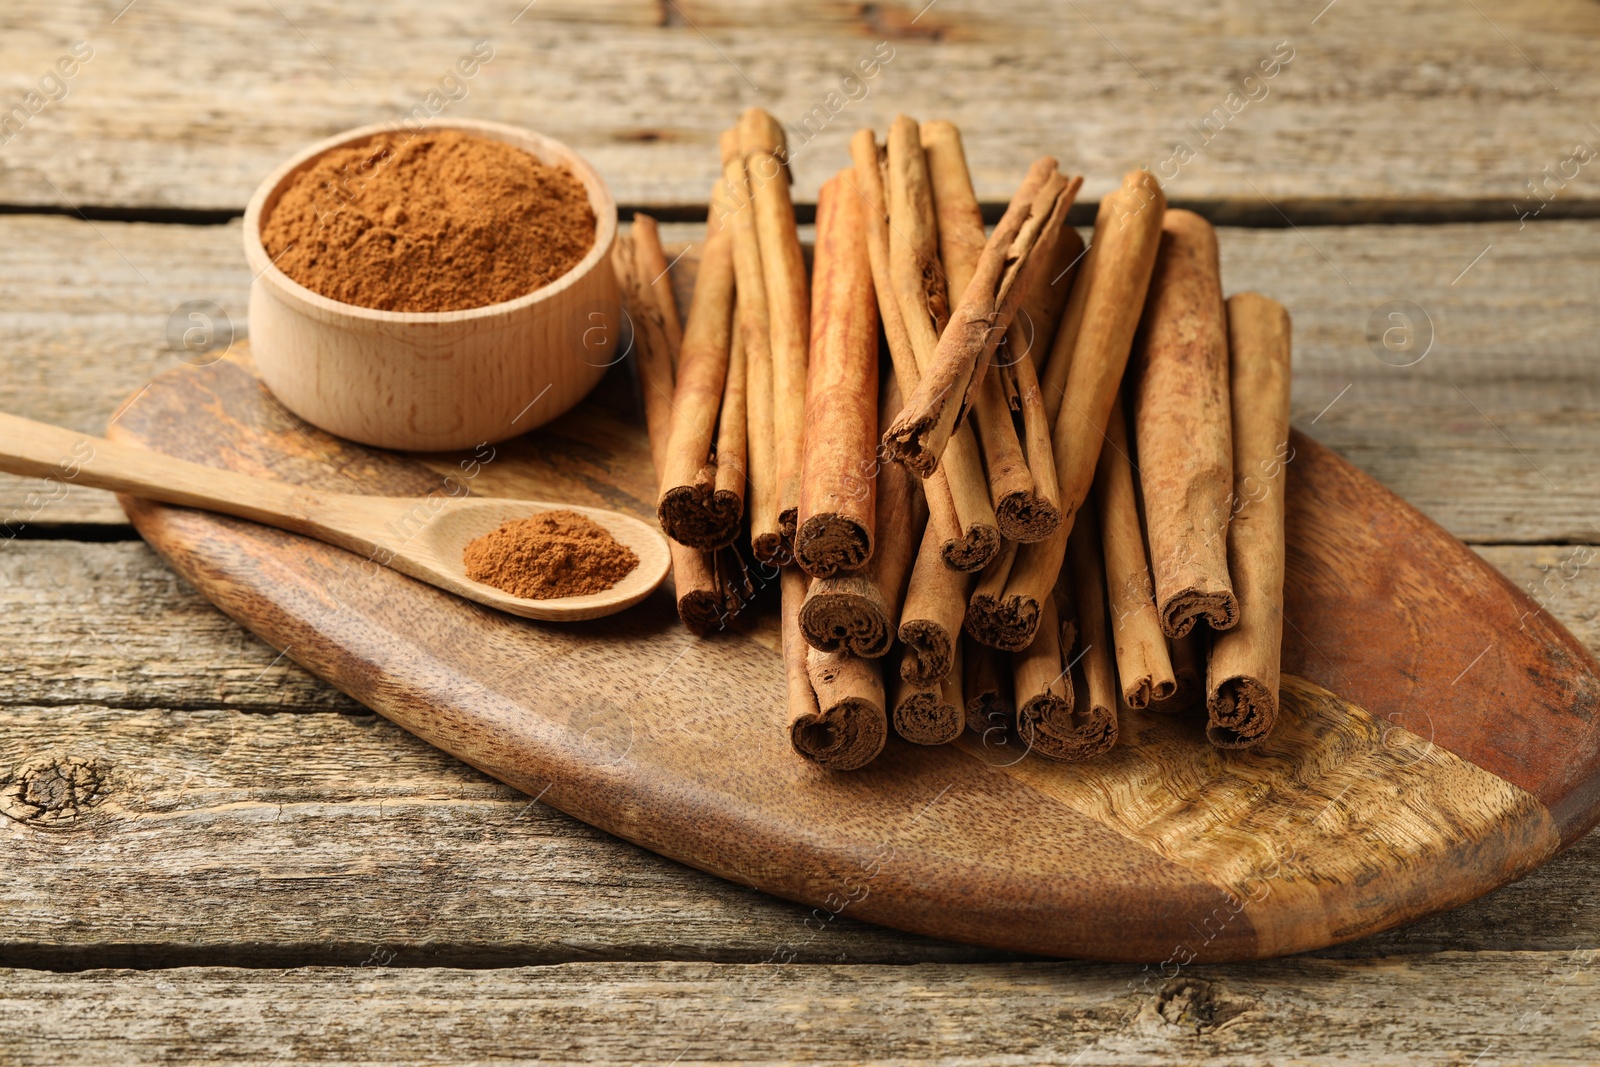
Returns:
<point x="1463" y="753"/>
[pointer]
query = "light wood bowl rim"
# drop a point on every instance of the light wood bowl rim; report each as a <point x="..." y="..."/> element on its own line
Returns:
<point x="547" y="149"/>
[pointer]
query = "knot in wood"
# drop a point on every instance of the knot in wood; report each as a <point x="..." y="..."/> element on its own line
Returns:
<point x="1197" y="1004"/>
<point x="53" y="792"/>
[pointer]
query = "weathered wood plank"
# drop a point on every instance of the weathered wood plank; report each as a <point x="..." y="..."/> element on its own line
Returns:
<point x="199" y="837"/>
<point x="1445" y="1009"/>
<point x="1453" y="110"/>
<point x="110" y="624"/>
<point x="202" y="826"/>
<point x="1494" y="433"/>
<point x="84" y="326"/>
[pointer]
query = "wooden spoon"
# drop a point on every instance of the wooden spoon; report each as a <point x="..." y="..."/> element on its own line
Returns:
<point x="419" y="536"/>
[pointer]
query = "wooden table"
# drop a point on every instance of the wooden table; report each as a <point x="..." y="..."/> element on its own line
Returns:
<point x="238" y="863"/>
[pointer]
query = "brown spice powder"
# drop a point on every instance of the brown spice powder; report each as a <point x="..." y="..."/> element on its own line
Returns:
<point x="553" y="554"/>
<point x="439" y="221"/>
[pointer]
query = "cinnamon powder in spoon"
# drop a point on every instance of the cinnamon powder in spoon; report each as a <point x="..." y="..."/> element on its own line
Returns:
<point x="553" y="554"/>
<point x="440" y="221"/>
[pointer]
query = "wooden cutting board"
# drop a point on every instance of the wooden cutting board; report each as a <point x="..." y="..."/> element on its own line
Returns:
<point x="1460" y="752"/>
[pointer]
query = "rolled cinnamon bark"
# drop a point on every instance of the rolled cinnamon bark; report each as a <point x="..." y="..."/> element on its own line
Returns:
<point x="1183" y="428"/>
<point x="836" y="501"/>
<point x="1075" y="716"/>
<point x="731" y="451"/>
<point x="699" y="595"/>
<point x="1043" y="684"/>
<point x="857" y="613"/>
<point x="935" y="603"/>
<point x="762" y="143"/>
<point x="1144" y="672"/>
<point x="738" y="586"/>
<point x="930" y="714"/>
<point x="976" y="538"/>
<point x="1019" y="513"/>
<point x="1033" y="329"/>
<point x="754" y="327"/>
<point x="919" y="289"/>
<point x="697" y="508"/>
<point x="1039" y="515"/>
<point x="836" y="703"/>
<point x="651" y="261"/>
<point x="996" y="618"/>
<point x="987" y="689"/>
<point x="1085" y="559"/>
<point x="1089" y="357"/>
<point x="914" y="265"/>
<point x="979" y="321"/>
<point x="1188" y="656"/>
<point x="955" y="205"/>
<point x="1028" y="342"/>
<point x="968" y="542"/>
<point x="1242" y="675"/>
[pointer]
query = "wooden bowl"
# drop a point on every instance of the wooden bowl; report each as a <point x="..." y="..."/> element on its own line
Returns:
<point x="433" y="381"/>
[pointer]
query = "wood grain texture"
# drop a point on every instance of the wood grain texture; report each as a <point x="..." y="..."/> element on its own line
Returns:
<point x="111" y="624"/>
<point x="504" y="694"/>
<point x="1393" y="636"/>
<point x="1500" y="1008"/>
<point x="1514" y="351"/>
<point x="196" y="830"/>
<point x="372" y="839"/>
<point x="1413" y="107"/>
<point x="1259" y="825"/>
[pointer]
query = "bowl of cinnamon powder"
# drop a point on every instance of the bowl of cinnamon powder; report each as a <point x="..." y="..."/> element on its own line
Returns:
<point x="432" y="289"/>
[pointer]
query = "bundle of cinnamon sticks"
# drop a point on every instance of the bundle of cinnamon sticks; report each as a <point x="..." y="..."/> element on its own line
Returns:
<point x="1058" y="501"/>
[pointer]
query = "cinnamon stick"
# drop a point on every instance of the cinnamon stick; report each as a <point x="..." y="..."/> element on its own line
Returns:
<point x="955" y="205"/>
<point x="1028" y="342"/>
<point x="1088" y="359"/>
<point x="857" y="613"/>
<point x="699" y="595"/>
<point x="976" y="538"/>
<point x="979" y="321"/>
<point x="696" y="507"/>
<point x="1183" y="428"/>
<point x="931" y="714"/>
<point x="987" y="688"/>
<point x="968" y="543"/>
<point x="1033" y="329"/>
<point x="1071" y="715"/>
<point x="1188" y="656"/>
<point x="914" y="268"/>
<point x="1085" y="557"/>
<point x="1038" y="515"/>
<point x="1243" y="673"/>
<point x="737" y="586"/>
<point x="1143" y="670"/>
<point x="762" y="142"/>
<point x="652" y="267"/>
<point x="998" y="618"/>
<point x="1020" y="513"/>
<point x="754" y="328"/>
<point x="918" y="285"/>
<point x="1042" y="680"/>
<point x="935" y="603"/>
<point x="836" y="703"/>
<point x="837" y="503"/>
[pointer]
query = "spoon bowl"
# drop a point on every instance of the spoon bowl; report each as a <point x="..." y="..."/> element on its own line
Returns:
<point x="438" y="546"/>
<point x="422" y="537"/>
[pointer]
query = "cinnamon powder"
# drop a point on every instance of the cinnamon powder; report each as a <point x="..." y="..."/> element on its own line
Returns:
<point x="553" y="554"/>
<point x="441" y="221"/>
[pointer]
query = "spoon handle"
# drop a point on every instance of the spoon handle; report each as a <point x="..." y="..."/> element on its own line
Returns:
<point x="66" y="457"/>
